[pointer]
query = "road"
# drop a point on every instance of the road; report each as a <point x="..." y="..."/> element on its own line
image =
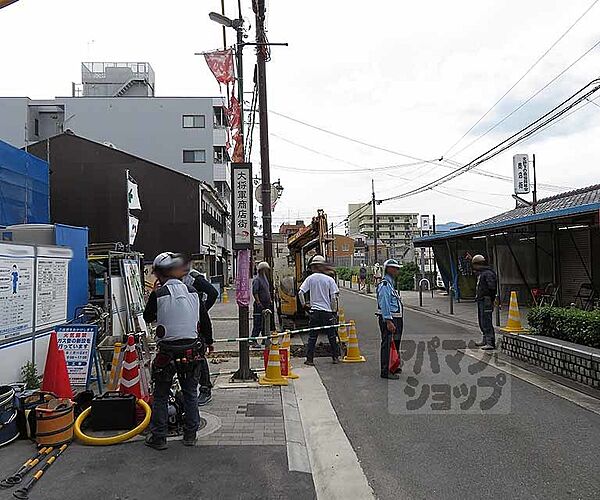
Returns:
<point x="535" y="445"/>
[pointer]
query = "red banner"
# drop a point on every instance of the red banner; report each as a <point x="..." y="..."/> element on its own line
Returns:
<point x="220" y="63"/>
<point x="233" y="113"/>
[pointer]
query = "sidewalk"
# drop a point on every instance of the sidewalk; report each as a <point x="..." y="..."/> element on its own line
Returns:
<point x="464" y="311"/>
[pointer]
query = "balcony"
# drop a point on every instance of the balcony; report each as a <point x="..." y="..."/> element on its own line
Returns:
<point x="219" y="136"/>
<point x="222" y="172"/>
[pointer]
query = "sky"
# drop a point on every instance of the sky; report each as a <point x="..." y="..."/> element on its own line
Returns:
<point x="409" y="77"/>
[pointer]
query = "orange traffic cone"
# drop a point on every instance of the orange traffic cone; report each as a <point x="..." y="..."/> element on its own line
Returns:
<point x="130" y="377"/>
<point x="273" y="375"/>
<point x="56" y="376"/>
<point x="286" y="346"/>
<point x="513" y="325"/>
<point x="342" y="330"/>
<point x="353" y="355"/>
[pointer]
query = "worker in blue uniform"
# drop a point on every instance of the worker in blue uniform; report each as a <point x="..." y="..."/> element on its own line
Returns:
<point x="390" y="315"/>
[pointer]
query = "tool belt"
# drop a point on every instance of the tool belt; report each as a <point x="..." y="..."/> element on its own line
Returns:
<point x="181" y="358"/>
<point x="394" y="315"/>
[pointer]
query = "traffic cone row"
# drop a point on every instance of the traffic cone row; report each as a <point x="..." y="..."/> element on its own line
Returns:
<point x="56" y="375"/>
<point x="272" y="374"/>
<point x="286" y="346"/>
<point x="353" y="354"/>
<point x="513" y="325"/>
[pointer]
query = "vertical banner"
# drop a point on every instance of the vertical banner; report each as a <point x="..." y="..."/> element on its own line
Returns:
<point x="241" y="205"/>
<point x="521" y="174"/>
<point x="425" y="226"/>
<point x="242" y="282"/>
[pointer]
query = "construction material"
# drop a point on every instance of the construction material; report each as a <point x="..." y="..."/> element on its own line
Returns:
<point x="54" y="421"/>
<point x="113" y="411"/>
<point x="120" y="438"/>
<point x="513" y="325"/>
<point x="273" y="375"/>
<point x="23" y="493"/>
<point x="29" y="465"/>
<point x="287" y="332"/>
<point x="353" y="355"/>
<point x="26" y="421"/>
<point x="115" y="367"/>
<point x="56" y="376"/>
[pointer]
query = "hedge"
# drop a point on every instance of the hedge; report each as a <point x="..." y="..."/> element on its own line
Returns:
<point x="573" y="325"/>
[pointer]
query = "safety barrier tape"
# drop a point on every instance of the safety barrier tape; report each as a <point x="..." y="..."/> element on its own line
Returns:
<point x="281" y="334"/>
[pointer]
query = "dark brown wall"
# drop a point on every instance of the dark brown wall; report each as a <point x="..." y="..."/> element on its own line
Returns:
<point x="87" y="188"/>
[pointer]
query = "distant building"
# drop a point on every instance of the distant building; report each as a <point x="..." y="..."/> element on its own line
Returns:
<point x="342" y="253"/>
<point x="396" y="230"/>
<point x="290" y="229"/>
<point x="364" y="249"/>
<point x="116" y="105"/>
<point x="179" y="213"/>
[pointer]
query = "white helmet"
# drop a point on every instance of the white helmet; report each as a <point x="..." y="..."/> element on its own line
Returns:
<point x="263" y="265"/>
<point x="391" y="263"/>
<point x="478" y="260"/>
<point x="317" y="259"/>
<point x="168" y="260"/>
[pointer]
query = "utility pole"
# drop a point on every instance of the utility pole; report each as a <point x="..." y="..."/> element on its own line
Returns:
<point x="332" y="245"/>
<point x="262" y="51"/>
<point x="375" y="235"/>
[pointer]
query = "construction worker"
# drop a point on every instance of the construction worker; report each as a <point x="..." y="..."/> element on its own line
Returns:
<point x="485" y="294"/>
<point x="208" y="295"/>
<point x="175" y="307"/>
<point x="322" y="308"/>
<point x="390" y="315"/>
<point x="261" y="291"/>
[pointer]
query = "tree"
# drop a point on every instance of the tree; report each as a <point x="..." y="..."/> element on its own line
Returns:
<point x="406" y="277"/>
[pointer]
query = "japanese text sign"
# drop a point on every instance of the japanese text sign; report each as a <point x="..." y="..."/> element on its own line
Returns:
<point x="241" y="205"/>
<point x="521" y="174"/>
<point x="77" y="341"/>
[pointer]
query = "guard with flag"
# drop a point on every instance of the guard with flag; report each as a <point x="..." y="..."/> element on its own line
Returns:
<point x="390" y="320"/>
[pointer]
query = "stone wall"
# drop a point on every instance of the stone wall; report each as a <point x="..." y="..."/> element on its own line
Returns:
<point x="569" y="360"/>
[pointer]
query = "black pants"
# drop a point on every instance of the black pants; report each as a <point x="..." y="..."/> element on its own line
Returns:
<point x="321" y="318"/>
<point x="485" y="308"/>
<point x="386" y="340"/>
<point x="205" y="383"/>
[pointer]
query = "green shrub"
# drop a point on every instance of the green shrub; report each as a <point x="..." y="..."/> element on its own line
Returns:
<point x="573" y="325"/>
<point x="406" y="277"/>
<point x="345" y="273"/>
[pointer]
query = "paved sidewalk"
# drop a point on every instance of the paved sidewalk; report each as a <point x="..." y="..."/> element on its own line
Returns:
<point x="464" y="311"/>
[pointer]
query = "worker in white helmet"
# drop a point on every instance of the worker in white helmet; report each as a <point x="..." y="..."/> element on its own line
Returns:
<point x="322" y="307"/>
<point x="485" y="295"/>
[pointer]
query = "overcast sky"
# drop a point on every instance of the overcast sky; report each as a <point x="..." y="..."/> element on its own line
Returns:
<point x="411" y="77"/>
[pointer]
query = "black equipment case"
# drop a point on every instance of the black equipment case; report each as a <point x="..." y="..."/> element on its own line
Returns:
<point x="113" y="411"/>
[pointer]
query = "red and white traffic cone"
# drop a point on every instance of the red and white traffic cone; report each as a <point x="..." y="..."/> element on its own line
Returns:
<point x="130" y="376"/>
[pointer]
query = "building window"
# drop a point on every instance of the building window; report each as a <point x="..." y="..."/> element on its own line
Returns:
<point x="220" y="116"/>
<point x="36" y="126"/>
<point x="194" y="156"/>
<point x="193" y="121"/>
<point x="345" y="247"/>
<point x="220" y="154"/>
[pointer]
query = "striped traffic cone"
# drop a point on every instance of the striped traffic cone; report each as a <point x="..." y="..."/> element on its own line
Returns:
<point x="353" y="355"/>
<point x="513" y="325"/>
<point x="286" y="346"/>
<point x="342" y="330"/>
<point x="130" y="377"/>
<point x="272" y="374"/>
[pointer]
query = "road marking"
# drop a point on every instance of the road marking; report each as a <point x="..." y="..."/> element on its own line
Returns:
<point x="579" y="398"/>
<point x="294" y="433"/>
<point x="336" y="471"/>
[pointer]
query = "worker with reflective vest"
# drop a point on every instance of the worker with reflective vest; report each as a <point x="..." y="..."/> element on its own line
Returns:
<point x="390" y="315"/>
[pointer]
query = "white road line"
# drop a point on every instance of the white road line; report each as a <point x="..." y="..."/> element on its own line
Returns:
<point x="336" y="471"/>
<point x="579" y="398"/>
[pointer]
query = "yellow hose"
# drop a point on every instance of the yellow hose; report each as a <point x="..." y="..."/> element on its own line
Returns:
<point x="119" y="438"/>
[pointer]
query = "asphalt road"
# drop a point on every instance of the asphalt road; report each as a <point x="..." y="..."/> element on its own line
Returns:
<point x="135" y="472"/>
<point x="533" y="445"/>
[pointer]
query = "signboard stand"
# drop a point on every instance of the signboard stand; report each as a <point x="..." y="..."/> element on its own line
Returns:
<point x="78" y="341"/>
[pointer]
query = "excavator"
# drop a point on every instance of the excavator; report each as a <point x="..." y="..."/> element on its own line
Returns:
<point x="306" y="243"/>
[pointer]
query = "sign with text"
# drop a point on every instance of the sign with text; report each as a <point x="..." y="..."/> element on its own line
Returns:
<point x="521" y="174"/>
<point x="425" y="226"/>
<point x="51" y="291"/>
<point x="241" y="205"/>
<point x="78" y="343"/>
<point x="16" y="291"/>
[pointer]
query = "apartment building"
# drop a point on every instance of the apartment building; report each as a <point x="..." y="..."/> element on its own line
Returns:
<point x="396" y="230"/>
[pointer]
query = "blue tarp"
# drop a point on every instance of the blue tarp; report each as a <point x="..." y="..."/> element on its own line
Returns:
<point x="24" y="187"/>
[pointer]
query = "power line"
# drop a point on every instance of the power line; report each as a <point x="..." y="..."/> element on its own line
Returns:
<point x="558" y="111"/>
<point x="345" y="171"/>
<point x="538" y="60"/>
<point x="445" y="193"/>
<point x="529" y="99"/>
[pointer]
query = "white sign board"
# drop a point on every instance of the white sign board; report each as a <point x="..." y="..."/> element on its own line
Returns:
<point x="16" y="291"/>
<point x="521" y="174"/>
<point x="425" y="223"/>
<point x="77" y="341"/>
<point x="241" y="184"/>
<point x="52" y="271"/>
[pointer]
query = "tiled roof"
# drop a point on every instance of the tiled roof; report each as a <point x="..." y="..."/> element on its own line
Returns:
<point x="577" y="201"/>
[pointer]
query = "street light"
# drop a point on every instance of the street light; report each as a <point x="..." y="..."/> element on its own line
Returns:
<point x="225" y="21"/>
